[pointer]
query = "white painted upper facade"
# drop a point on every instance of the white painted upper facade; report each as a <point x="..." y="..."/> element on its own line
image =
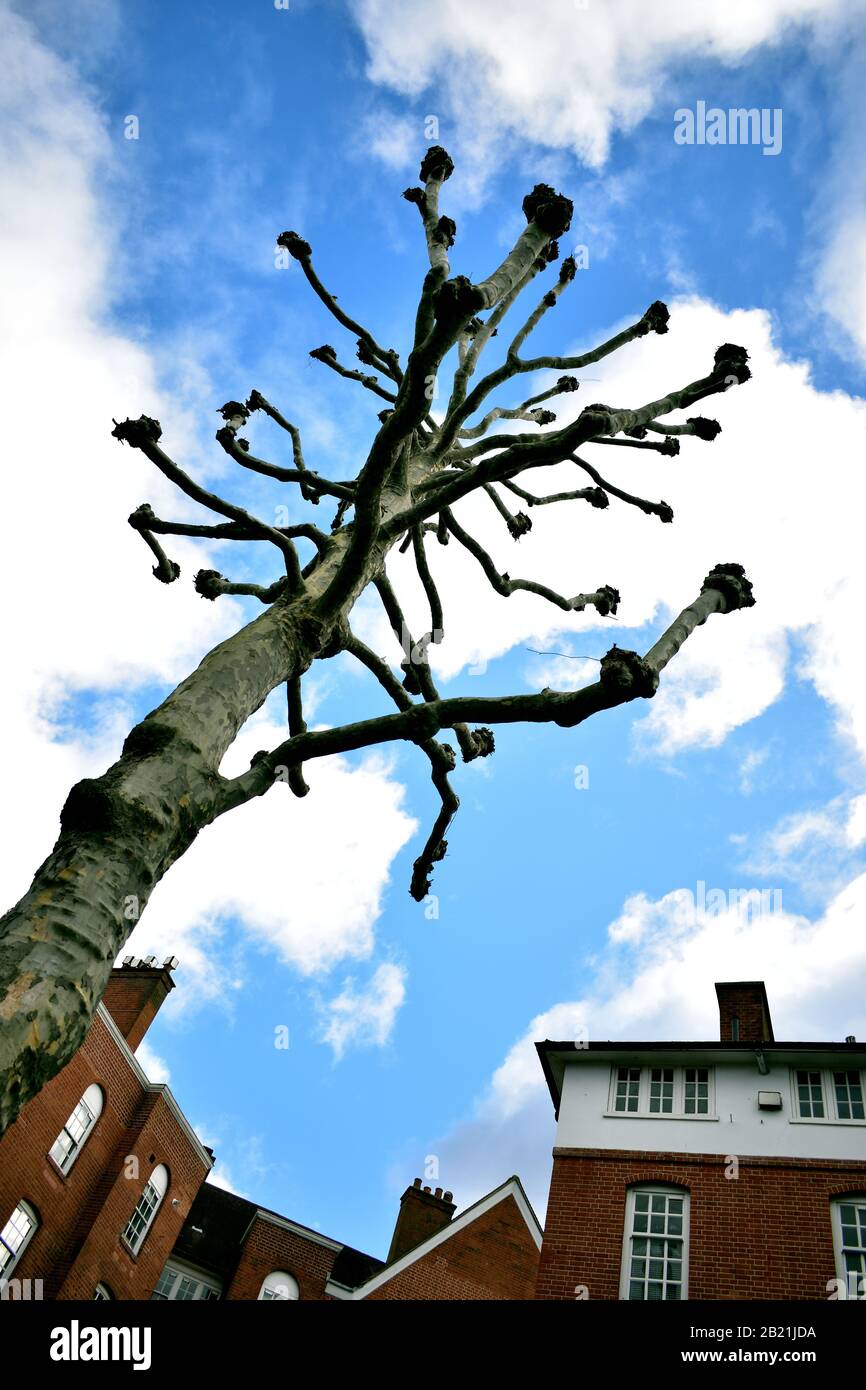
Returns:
<point x="595" y="1094"/>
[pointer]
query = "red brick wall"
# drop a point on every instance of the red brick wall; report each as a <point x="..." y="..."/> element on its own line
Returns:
<point x="132" y="997"/>
<point x="494" y="1257"/>
<point x="269" y="1247"/>
<point x="744" y="1002"/>
<point x="83" y="1212"/>
<point x="422" y="1214"/>
<point x="765" y="1234"/>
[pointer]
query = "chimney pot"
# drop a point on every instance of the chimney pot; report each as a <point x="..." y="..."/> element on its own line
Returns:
<point x="426" y="1189"/>
<point x="438" y="1192"/>
<point x="448" y="1197"/>
<point x="417" y="1182"/>
<point x="850" y="1038"/>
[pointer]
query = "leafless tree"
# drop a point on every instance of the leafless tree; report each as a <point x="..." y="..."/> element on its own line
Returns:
<point x="119" y="833"/>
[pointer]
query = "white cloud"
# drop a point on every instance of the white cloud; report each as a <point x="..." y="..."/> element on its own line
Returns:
<point x="154" y="1066"/>
<point x="567" y="76"/>
<point x="364" y="1017"/>
<point x="750" y="764"/>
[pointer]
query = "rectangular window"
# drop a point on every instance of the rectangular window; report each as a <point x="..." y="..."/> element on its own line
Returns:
<point x="696" y="1099"/>
<point x="655" y="1246"/>
<point x="672" y="1092"/>
<point x="850" y="1238"/>
<point x="627" y="1089"/>
<point x="810" y="1095"/>
<point x="178" y="1286"/>
<point x="849" y="1095"/>
<point x="662" y="1090"/>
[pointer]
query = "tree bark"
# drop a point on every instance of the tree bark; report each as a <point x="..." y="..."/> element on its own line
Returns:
<point x="119" y="834"/>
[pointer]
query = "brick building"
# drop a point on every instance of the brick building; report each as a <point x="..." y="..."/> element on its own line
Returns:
<point x="703" y="1170"/>
<point x="103" y="1194"/>
<point x="707" y="1170"/>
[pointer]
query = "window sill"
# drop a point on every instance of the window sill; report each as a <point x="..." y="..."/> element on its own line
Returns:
<point x="653" y="1115"/>
<point x="128" y="1250"/>
<point x="827" y="1120"/>
<point x="57" y="1170"/>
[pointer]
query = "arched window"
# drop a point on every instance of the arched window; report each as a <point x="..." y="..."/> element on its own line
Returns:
<point x="849" y="1242"/>
<point x="102" y="1294"/>
<point x="279" y="1285"/>
<point x="73" y="1135"/>
<point x="15" y="1236"/>
<point x="146" y="1208"/>
<point x="655" y="1253"/>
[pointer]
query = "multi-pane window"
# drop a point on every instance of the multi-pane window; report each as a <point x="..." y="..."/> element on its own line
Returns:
<point x="662" y="1090"/>
<point x="627" y="1088"/>
<point x="850" y="1240"/>
<point x="696" y="1095"/>
<point x="70" y="1140"/>
<point x="15" y="1235"/>
<point x="146" y="1208"/>
<point x="673" y="1091"/>
<point x="849" y="1095"/>
<point x="832" y="1096"/>
<point x="183" y="1286"/>
<point x="655" y="1247"/>
<point x="279" y="1286"/>
<point x="810" y="1095"/>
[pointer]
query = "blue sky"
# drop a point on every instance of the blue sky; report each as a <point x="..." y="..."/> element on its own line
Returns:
<point x="558" y="906"/>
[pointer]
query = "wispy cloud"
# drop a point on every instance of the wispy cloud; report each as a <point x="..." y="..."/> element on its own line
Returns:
<point x="363" y="1017"/>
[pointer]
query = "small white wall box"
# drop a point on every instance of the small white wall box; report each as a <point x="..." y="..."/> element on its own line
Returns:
<point x="769" y="1100"/>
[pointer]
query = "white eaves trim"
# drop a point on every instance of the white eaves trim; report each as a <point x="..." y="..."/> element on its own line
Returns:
<point x="511" y="1188"/>
<point x="152" y="1086"/>
<point x="285" y="1225"/>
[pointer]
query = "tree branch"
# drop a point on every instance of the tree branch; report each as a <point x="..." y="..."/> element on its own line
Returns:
<point x="624" y="676"/>
<point x="605" y="600"/>
<point x="328" y="356"/>
<point x="144" y="434"/>
<point x="385" y="359"/>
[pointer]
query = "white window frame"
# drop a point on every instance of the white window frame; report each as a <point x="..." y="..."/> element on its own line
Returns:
<point x="643" y="1111"/>
<point x="78" y="1129"/>
<point x="207" y="1288"/>
<point x="828" y="1093"/>
<point x="857" y="1199"/>
<point x="150" y="1201"/>
<point x="653" y="1189"/>
<point x="276" y="1280"/>
<point x="102" y="1294"/>
<point x="7" y="1254"/>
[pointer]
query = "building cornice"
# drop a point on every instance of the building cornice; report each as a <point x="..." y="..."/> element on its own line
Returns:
<point x="260" y="1214"/>
<point x="153" y="1087"/>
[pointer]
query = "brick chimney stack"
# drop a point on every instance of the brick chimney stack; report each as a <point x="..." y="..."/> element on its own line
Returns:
<point x="135" y="992"/>
<point x="744" y="1014"/>
<point x="422" y="1214"/>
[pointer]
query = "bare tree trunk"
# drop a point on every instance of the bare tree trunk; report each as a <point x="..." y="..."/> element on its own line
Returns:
<point x="119" y="834"/>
